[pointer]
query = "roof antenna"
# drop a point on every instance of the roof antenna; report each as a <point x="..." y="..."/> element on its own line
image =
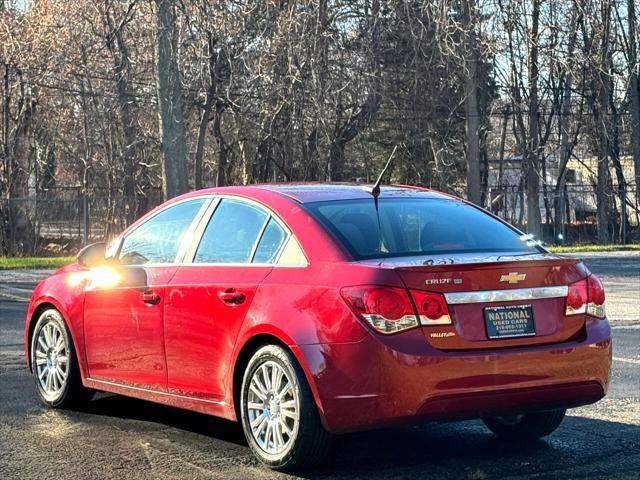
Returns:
<point x="375" y="192"/>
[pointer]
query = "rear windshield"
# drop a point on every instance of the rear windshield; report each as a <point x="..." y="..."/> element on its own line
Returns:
<point x="411" y="226"/>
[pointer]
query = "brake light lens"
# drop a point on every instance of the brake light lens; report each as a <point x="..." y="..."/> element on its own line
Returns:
<point x="577" y="298"/>
<point x="432" y="308"/>
<point x="595" y="290"/>
<point x="387" y="309"/>
<point x="586" y="296"/>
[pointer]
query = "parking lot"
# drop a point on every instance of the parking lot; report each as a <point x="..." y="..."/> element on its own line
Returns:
<point x="120" y="438"/>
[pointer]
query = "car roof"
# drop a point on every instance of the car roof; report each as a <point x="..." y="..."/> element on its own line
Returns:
<point x="322" y="192"/>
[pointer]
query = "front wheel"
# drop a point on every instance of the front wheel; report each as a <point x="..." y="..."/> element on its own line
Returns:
<point x="278" y="412"/>
<point x="525" y="426"/>
<point x="54" y="363"/>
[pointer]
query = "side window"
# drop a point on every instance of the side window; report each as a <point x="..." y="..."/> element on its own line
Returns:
<point x="158" y="239"/>
<point x="231" y="233"/>
<point x="272" y="239"/>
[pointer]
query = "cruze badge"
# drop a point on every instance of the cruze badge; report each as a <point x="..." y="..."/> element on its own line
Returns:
<point x="443" y="281"/>
<point x="513" y="277"/>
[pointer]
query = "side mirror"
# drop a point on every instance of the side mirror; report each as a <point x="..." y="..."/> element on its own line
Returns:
<point x="134" y="277"/>
<point x="109" y="275"/>
<point x="92" y="255"/>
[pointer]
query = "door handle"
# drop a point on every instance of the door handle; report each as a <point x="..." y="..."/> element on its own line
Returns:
<point x="151" y="298"/>
<point x="232" y="297"/>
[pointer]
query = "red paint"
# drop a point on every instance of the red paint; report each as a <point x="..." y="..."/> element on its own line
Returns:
<point x="179" y="342"/>
<point x="202" y="321"/>
<point x="393" y="380"/>
<point x="123" y="332"/>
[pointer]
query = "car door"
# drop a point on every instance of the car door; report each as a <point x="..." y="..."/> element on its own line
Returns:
<point x="208" y="299"/>
<point x="123" y="325"/>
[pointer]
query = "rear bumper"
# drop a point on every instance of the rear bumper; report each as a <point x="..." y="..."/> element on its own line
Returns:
<point x="401" y="379"/>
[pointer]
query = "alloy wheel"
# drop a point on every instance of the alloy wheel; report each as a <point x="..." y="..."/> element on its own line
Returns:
<point x="273" y="408"/>
<point x="51" y="358"/>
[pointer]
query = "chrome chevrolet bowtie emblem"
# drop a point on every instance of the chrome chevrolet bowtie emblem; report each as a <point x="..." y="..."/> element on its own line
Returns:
<point x="513" y="277"/>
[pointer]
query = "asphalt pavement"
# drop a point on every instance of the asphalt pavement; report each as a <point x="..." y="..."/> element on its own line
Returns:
<point x="115" y="437"/>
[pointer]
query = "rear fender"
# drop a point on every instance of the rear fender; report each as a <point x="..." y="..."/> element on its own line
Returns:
<point x="270" y="331"/>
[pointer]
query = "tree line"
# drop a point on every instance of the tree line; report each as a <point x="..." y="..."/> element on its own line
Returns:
<point x="130" y="96"/>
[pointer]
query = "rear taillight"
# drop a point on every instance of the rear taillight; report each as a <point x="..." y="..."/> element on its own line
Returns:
<point x="386" y="309"/>
<point x="595" y="290"/>
<point x="577" y="298"/>
<point x="586" y="296"/>
<point x="432" y="308"/>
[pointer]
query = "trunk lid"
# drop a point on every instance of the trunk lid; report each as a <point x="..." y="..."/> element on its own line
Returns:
<point x="472" y="283"/>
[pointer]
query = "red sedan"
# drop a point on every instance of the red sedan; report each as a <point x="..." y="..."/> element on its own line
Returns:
<point x="303" y="311"/>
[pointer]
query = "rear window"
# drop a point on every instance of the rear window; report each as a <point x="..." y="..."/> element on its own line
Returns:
<point x="410" y="226"/>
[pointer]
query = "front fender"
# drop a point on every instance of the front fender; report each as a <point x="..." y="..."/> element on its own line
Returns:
<point x="65" y="293"/>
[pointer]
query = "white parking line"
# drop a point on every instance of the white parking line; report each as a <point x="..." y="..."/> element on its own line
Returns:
<point x="626" y="360"/>
<point x="15" y="294"/>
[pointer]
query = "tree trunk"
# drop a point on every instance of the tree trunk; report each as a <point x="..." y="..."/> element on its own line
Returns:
<point x="174" y="162"/>
<point x="336" y="160"/>
<point x="604" y="122"/>
<point x="127" y="117"/>
<point x="472" y="107"/>
<point x="205" y="117"/>
<point x="202" y="132"/>
<point x="531" y="157"/>
<point x="221" y="175"/>
<point x="566" y="146"/>
<point x="473" y="137"/>
<point x="503" y="138"/>
<point x="5" y="231"/>
<point x="634" y="87"/>
<point x="5" y="179"/>
<point x="614" y="152"/>
<point x="20" y="229"/>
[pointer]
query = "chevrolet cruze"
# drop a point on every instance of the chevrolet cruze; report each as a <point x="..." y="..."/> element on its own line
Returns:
<point x="304" y="311"/>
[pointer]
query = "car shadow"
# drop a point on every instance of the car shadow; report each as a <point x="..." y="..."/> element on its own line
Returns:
<point x="128" y="408"/>
<point x="465" y="450"/>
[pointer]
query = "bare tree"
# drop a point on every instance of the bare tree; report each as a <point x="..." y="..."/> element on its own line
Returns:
<point x="116" y="44"/>
<point x="634" y="85"/>
<point x="566" y="138"/>
<point x="127" y="98"/>
<point x="601" y="86"/>
<point x="531" y="157"/>
<point x="174" y="150"/>
<point x="472" y="101"/>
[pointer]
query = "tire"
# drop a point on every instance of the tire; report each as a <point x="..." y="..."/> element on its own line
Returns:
<point x="528" y="426"/>
<point x="54" y="363"/>
<point x="277" y="439"/>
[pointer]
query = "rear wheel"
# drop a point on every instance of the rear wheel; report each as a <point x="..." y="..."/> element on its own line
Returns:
<point x="527" y="426"/>
<point x="54" y="363"/>
<point x="278" y="412"/>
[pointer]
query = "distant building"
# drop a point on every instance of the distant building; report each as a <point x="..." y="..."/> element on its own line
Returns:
<point x="507" y="197"/>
